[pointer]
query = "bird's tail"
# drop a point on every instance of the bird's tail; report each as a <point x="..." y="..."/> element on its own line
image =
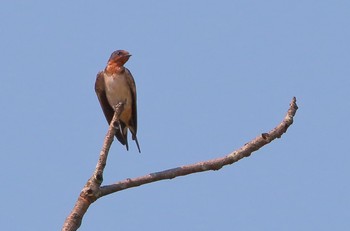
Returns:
<point x="134" y="137"/>
<point x="122" y="134"/>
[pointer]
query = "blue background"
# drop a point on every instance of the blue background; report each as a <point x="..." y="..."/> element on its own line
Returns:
<point x="210" y="75"/>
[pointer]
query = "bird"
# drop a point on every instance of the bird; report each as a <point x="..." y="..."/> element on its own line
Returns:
<point x="114" y="85"/>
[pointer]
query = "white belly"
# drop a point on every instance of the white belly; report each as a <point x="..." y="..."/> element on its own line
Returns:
<point x="118" y="90"/>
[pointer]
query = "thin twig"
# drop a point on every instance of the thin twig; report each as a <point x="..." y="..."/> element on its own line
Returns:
<point x="102" y="161"/>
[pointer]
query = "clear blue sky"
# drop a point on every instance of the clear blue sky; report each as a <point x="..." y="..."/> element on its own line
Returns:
<point x="210" y="75"/>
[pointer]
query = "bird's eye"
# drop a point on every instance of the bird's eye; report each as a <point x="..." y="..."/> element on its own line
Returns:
<point x="119" y="53"/>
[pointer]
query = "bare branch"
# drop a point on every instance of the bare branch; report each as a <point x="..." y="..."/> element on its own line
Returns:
<point x="92" y="190"/>
<point x="214" y="164"/>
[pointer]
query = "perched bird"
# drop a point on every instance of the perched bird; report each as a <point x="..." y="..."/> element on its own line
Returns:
<point x="113" y="85"/>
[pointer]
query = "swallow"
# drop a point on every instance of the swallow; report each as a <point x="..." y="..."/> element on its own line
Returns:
<point x="113" y="85"/>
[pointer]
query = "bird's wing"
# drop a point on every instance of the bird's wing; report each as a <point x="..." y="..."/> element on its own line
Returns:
<point x="107" y="109"/>
<point x="132" y="86"/>
<point x="133" y="122"/>
<point x="102" y="98"/>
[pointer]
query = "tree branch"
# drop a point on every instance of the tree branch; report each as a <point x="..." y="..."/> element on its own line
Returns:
<point x="214" y="164"/>
<point x="92" y="190"/>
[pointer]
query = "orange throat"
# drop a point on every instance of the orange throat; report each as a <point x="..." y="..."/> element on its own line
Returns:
<point x="114" y="68"/>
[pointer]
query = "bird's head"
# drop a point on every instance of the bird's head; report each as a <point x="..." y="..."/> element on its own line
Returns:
<point x="119" y="58"/>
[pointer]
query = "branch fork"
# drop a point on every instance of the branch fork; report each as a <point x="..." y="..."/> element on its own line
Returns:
<point x="93" y="190"/>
